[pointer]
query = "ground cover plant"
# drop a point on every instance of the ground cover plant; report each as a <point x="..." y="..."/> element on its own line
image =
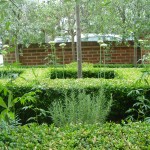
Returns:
<point x="77" y="136"/>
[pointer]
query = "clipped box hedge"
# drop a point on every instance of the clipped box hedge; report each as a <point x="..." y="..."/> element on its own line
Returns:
<point x="87" y="73"/>
<point x="38" y="79"/>
<point x="134" y="136"/>
<point x="114" y="65"/>
<point x="10" y="73"/>
<point x="120" y="65"/>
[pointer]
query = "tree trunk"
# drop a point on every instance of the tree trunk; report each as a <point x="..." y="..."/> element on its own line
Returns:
<point x="16" y="52"/>
<point x="79" y="52"/>
<point x="135" y="53"/>
<point x="73" y="47"/>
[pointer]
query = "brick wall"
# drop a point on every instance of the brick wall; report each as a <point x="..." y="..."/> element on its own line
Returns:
<point x="115" y="54"/>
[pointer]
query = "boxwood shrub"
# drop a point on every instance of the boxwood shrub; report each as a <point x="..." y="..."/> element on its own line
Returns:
<point x="120" y="65"/>
<point x="114" y="65"/>
<point x="8" y="73"/>
<point x="87" y="73"/>
<point x="47" y="90"/>
<point x="134" y="136"/>
<point x="48" y="93"/>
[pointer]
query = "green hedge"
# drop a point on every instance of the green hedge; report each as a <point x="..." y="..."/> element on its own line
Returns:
<point x="47" y="94"/>
<point x="133" y="136"/>
<point x="120" y="65"/>
<point x="50" y="90"/>
<point x="87" y="73"/>
<point x="10" y="73"/>
<point x="114" y="65"/>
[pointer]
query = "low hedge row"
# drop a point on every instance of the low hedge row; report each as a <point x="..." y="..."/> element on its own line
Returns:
<point x="48" y="90"/>
<point x="107" y="136"/>
<point x="87" y="73"/>
<point x="120" y="65"/>
<point x="8" y="73"/>
<point x="46" y="94"/>
<point x="114" y="65"/>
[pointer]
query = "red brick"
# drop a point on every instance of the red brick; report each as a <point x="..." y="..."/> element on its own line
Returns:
<point x="90" y="53"/>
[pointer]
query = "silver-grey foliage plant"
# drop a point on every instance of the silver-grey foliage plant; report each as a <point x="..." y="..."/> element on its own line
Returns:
<point x="80" y="107"/>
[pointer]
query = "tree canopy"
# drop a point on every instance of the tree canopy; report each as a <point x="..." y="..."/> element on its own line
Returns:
<point x="25" y="22"/>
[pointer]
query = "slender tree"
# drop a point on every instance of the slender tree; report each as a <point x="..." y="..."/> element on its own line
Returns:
<point x="79" y="51"/>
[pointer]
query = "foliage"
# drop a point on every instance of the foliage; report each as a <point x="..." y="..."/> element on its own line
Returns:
<point x="5" y="73"/>
<point x="8" y="109"/>
<point x="87" y="73"/>
<point x="18" y="26"/>
<point x="146" y="71"/>
<point x="50" y="90"/>
<point x="30" y="103"/>
<point x="80" y="107"/>
<point x="126" y="18"/>
<point x="114" y="65"/>
<point x="80" y="136"/>
<point x="141" y="107"/>
<point x="85" y="65"/>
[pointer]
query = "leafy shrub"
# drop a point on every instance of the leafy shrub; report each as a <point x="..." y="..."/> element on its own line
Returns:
<point x="80" y="108"/>
<point x="80" y="136"/>
<point x="7" y="105"/>
<point x="141" y="107"/>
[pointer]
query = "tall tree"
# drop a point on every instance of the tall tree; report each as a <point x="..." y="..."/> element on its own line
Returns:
<point x="128" y="18"/>
<point x="79" y="51"/>
<point x="68" y="24"/>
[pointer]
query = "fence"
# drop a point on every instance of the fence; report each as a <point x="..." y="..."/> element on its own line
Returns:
<point x="116" y="53"/>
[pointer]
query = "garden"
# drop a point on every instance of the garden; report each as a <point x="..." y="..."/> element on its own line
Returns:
<point x="99" y="99"/>
<point x="64" y="112"/>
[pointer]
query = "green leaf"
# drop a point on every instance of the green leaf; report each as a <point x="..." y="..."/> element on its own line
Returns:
<point x="4" y="113"/>
<point x="10" y="102"/>
<point x="7" y="25"/>
<point x="15" y="100"/>
<point x="3" y="5"/>
<point x="28" y="107"/>
<point x="2" y="103"/>
<point x="5" y="91"/>
<point x="31" y="119"/>
<point x="3" y="2"/>
<point x="11" y="115"/>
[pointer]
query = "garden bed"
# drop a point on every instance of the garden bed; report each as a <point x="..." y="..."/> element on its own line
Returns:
<point x="48" y="90"/>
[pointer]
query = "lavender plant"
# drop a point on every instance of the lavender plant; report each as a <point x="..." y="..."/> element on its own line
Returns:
<point x="81" y="108"/>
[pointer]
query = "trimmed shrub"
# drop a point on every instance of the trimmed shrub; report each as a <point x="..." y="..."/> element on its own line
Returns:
<point x="10" y="73"/>
<point x="114" y="65"/>
<point x="87" y="73"/>
<point x="53" y="90"/>
<point x="120" y="65"/>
